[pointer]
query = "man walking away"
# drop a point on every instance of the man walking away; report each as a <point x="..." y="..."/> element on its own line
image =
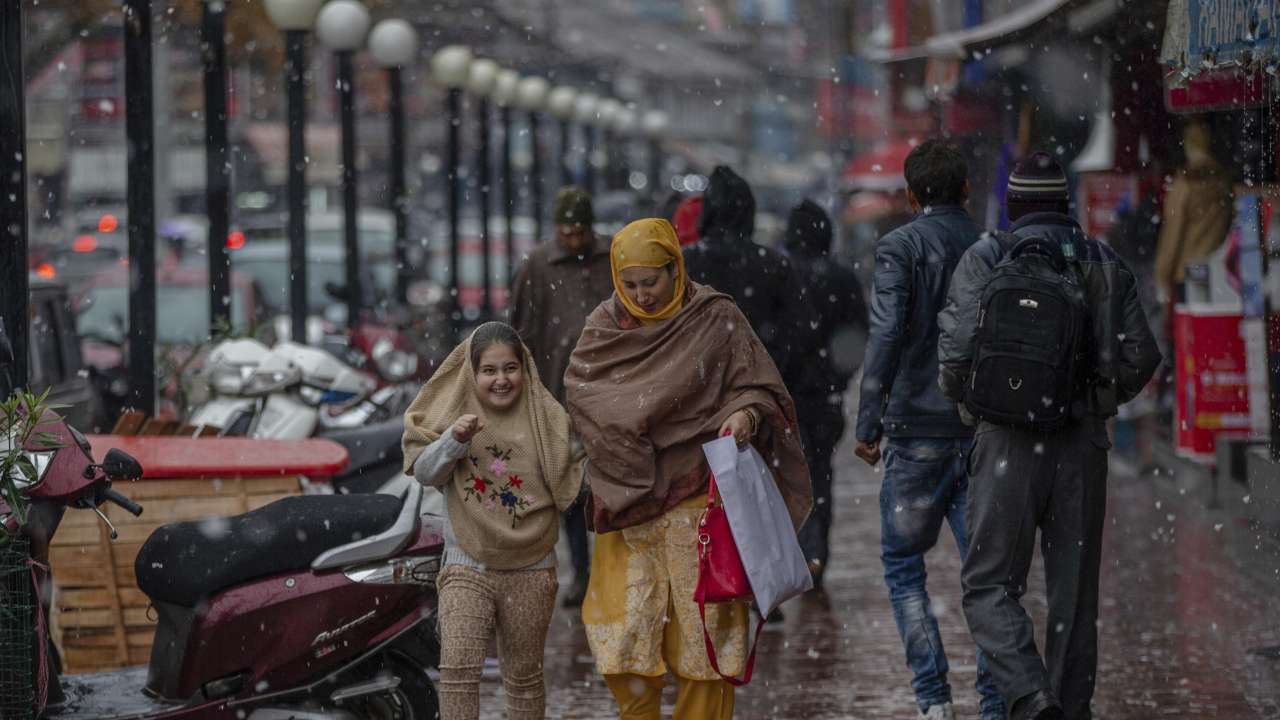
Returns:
<point x="553" y="292"/>
<point x="928" y="445"/>
<point x="760" y="279"/>
<point x="837" y="313"/>
<point x="1024" y="476"/>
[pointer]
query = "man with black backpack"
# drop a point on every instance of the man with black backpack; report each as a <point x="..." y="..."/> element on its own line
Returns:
<point x="1042" y="338"/>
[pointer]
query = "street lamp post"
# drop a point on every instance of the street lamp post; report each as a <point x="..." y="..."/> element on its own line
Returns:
<point x="294" y="18"/>
<point x="532" y="94"/>
<point x="141" y="201"/>
<point x="342" y="26"/>
<point x="217" y="168"/>
<point x="653" y="124"/>
<point x="586" y="112"/>
<point x="624" y="126"/>
<point x="481" y="77"/>
<point x="13" y="195"/>
<point x="561" y="104"/>
<point x="504" y="94"/>
<point x="394" y="44"/>
<point x="451" y="65"/>
<point x="606" y="114"/>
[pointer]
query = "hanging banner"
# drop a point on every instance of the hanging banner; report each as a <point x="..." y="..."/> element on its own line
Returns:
<point x="1207" y="46"/>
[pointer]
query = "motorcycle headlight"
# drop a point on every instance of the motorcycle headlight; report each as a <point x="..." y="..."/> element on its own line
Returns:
<point x="229" y="380"/>
<point x="263" y="383"/>
<point x="393" y="364"/>
<point x="40" y="462"/>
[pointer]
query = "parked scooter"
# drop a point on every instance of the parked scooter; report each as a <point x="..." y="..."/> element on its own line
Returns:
<point x="310" y="624"/>
<point x="295" y="391"/>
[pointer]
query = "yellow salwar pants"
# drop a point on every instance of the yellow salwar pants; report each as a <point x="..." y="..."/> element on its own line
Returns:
<point x="641" y="620"/>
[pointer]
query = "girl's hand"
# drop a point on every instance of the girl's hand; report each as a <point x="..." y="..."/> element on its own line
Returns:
<point x="466" y="427"/>
<point x="740" y="426"/>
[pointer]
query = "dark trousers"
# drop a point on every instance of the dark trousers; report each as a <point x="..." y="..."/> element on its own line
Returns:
<point x="575" y="529"/>
<point x="821" y="425"/>
<point x="1020" y="481"/>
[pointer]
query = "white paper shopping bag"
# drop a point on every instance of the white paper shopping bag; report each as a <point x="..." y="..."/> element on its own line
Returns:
<point x="760" y="523"/>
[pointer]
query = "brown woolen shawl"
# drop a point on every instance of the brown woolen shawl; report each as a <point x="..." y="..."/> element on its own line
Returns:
<point x="645" y="398"/>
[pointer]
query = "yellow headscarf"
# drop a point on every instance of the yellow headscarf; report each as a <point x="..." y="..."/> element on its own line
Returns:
<point x="650" y="243"/>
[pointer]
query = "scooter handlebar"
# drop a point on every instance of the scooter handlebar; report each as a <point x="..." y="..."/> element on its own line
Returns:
<point x="130" y="506"/>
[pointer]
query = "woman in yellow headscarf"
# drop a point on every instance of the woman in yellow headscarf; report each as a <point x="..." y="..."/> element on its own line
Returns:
<point x="663" y="366"/>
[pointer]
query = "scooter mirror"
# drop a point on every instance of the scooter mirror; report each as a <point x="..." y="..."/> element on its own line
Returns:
<point x="120" y="465"/>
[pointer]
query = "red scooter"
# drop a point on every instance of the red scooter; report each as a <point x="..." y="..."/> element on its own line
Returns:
<point x="312" y="607"/>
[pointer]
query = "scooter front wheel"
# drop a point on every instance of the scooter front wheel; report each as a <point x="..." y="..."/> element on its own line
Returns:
<point x="414" y="698"/>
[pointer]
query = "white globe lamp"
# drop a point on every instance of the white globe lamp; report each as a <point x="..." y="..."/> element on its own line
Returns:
<point x="293" y="14"/>
<point x="531" y="93"/>
<point x="481" y="76"/>
<point x="451" y="65"/>
<point x="393" y="43"/>
<point x="561" y="102"/>
<point x="342" y="25"/>
<point x="586" y="108"/>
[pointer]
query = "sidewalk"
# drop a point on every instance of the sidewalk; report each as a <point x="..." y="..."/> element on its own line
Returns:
<point x="1183" y="602"/>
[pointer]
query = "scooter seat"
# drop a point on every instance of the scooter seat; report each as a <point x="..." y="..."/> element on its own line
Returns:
<point x="183" y="563"/>
<point x="369" y="445"/>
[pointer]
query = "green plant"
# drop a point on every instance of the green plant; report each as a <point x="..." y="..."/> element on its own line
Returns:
<point x="21" y="447"/>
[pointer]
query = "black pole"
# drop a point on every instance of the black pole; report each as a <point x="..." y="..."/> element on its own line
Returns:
<point x="508" y="200"/>
<point x="655" y="167"/>
<point x="535" y="177"/>
<point x="566" y="172"/>
<point x="140" y="197"/>
<point x="486" y="189"/>
<point x="399" y="199"/>
<point x="13" y="194"/>
<point x="588" y="167"/>
<point x="347" y="103"/>
<point x="296" y="56"/>
<point x="217" y="171"/>
<point x="455" y="206"/>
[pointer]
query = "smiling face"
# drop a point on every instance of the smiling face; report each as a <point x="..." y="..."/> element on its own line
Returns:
<point x="651" y="289"/>
<point x="499" y="377"/>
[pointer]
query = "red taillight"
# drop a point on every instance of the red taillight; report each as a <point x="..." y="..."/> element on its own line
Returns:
<point x="235" y="240"/>
<point x="108" y="223"/>
<point x="85" y="243"/>
<point x="46" y="271"/>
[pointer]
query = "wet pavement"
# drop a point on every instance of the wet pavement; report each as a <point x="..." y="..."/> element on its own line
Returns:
<point x="1187" y="593"/>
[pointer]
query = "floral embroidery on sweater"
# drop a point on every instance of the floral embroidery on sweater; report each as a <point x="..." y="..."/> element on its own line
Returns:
<point x="500" y="492"/>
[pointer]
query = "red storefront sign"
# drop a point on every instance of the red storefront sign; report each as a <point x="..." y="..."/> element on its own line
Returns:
<point x="1212" y="379"/>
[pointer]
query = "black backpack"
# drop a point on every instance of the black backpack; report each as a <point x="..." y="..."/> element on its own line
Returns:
<point x="1027" y="350"/>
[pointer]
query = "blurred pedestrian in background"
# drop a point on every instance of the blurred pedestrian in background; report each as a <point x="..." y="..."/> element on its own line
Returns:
<point x="927" y="452"/>
<point x="664" y="366"/>
<point x="837" y="314"/>
<point x="760" y="279"/>
<point x="557" y="286"/>
<point x="686" y="218"/>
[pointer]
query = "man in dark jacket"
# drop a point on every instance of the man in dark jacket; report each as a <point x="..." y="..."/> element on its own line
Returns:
<point x="928" y="445"/>
<point x="837" y="313"/>
<point x="1022" y="479"/>
<point x="555" y="289"/>
<point x="760" y="279"/>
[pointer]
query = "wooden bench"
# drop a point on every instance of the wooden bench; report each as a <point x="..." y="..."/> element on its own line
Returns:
<point x="100" y="619"/>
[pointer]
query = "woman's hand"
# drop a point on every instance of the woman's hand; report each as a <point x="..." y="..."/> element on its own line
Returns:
<point x="740" y="426"/>
<point x="465" y="428"/>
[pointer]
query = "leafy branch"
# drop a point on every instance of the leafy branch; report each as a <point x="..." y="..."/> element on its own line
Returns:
<point x="21" y="414"/>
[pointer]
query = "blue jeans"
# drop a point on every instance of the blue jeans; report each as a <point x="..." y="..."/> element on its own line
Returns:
<point x="925" y="481"/>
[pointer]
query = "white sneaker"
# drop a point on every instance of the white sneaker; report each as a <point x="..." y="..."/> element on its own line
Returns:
<point x="939" y="712"/>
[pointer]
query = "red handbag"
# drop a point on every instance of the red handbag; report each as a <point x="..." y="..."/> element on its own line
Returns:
<point x="721" y="576"/>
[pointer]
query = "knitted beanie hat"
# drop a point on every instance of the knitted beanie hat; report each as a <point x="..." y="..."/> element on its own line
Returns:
<point x="1038" y="179"/>
<point x="572" y="207"/>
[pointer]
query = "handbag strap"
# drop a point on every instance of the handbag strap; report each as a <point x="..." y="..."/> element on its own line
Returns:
<point x="711" y="649"/>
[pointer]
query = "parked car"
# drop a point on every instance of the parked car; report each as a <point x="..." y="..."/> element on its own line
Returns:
<point x="55" y="361"/>
<point x="182" y="324"/>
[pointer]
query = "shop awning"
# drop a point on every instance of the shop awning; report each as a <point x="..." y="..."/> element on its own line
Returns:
<point x="962" y="44"/>
<point x="879" y="168"/>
